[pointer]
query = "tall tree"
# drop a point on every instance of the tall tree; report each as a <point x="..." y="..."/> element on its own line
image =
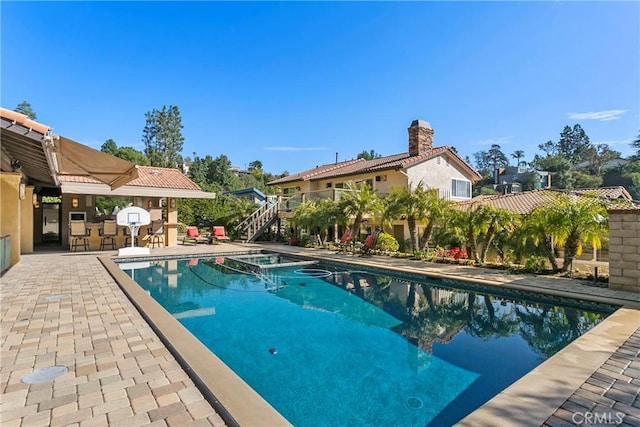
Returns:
<point x="129" y="154"/>
<point x="109" y="147"/>
<point x="518" y="154"/>
<point x="220" y="173"/>
<point x="488" y="161"/>
<point x="199" y="169"/>
<point x="162" y="137"/>
<point x="560" y="168"/>
<point x="574" y="143"/>
<point x="25" y="108"/>
<point x="255" y="165"/>
<point x="368" y="155"/>
<point x="597" y="156"/>
<point x="636" y="144"/>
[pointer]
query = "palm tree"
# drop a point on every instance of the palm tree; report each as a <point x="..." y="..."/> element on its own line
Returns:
<point x="518" y="154"/>
<point x="436" y="212"/>
<point x="358" y="201"/>
<point x="317" y="216"/>
<point x="498" y="220"/>
<point x="304" y="216"/>
<point x="577" y="221"/>
<point x="467" y="225"/>
<point x="410" y="204"/>
<point x="537" y="229"/>
<point x="328" y="214"/>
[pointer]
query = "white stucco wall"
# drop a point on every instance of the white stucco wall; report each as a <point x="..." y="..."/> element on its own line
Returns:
<point x="437" y="173"/>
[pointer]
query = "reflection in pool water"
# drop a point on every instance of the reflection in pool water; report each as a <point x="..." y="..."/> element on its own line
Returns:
<point x="328" y="345"/>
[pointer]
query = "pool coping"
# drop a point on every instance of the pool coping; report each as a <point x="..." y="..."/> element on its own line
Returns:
<point x="531" y="400"/>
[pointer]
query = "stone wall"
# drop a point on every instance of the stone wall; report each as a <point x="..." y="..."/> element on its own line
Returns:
<point x="624" y="250"/>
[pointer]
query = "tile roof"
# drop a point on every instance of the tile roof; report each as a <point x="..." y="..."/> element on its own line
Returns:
<point x="525" y="202"/>
<point x="358" y="166"/>
<point x="24" y="120"/>
<point x="148" y="176"/>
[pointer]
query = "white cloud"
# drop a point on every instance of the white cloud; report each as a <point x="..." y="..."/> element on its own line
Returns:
<point x="616" y="142"/>
<point x="285" y="148"/>
<point x="598" y="115"/>
<point x="499" y="141"/>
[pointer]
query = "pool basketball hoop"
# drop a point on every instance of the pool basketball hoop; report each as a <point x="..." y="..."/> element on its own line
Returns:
<point x="133" y="217"/>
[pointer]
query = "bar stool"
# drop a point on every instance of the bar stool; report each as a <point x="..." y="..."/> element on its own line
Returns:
<point x="157" y="233"/>
<point x="79" y="234"/>
<point x="108" y="232"/>
<point x="127" y="239"/>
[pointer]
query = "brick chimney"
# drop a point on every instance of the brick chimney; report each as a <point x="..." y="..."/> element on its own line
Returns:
<point x="420" y="137"/>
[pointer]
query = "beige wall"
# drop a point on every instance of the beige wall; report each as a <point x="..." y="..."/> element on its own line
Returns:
<point x="171" y="230"/>
<point x="437" y="173"/>
<point x="624" y="250"/>
<point x="10" y="205"/>
<point x="26" y="221"/>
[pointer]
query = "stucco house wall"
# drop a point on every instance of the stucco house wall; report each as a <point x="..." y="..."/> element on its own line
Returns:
<point x="10" y="205"/>
<point x="437" y="173"/>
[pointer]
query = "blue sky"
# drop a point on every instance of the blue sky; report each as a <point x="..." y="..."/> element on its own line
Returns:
<point x="293" y="83"/>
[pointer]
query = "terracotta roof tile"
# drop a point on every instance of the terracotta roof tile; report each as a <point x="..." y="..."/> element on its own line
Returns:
<point x="358" y="166"/>
<point x="148" y="176"/>
<point x="23" y="120"/>
<point x="525" y="202"/>
<point x="313" y="173"/>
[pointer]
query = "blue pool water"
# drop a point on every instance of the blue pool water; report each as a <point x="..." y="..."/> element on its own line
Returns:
<point x="331" y="346"/>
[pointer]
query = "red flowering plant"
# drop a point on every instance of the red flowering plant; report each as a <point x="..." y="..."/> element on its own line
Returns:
<point x="457" y="253"/>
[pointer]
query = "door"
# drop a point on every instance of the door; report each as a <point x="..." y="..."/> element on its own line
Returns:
<point x="398" y="233"/>
<point x="50" y="222"/>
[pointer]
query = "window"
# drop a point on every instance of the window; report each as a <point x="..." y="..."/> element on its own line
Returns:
<point x="460" y="188"/>
<point x="328" y="185"/>
<point x="339" y="185"/>
<point x="289" y="190"/>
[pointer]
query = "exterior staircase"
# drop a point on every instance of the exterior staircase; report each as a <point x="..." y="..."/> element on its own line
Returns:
<point x="252" y="227"/>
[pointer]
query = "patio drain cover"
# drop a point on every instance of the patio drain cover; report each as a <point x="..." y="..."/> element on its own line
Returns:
<point x="55" y="297"/>
<point x="44" y="375"/>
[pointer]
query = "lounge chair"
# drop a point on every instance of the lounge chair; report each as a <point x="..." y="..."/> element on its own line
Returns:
<point x="219" y="233"/>
<point x="345" y="241"/>
<point x="370" y="243"/>
<point x="194" y="236"/>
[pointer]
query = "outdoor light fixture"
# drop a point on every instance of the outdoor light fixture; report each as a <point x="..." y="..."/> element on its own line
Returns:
<point x="75" y="202"/>
<point x="34" y="200"/>
<point x="16" y="166"/>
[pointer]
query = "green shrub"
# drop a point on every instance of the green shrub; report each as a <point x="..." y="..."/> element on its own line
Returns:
<point x="386" y="242"/>
<point x="535" y="264"/>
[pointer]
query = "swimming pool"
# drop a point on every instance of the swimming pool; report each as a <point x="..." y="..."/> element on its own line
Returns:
<point x="329" y="345"/>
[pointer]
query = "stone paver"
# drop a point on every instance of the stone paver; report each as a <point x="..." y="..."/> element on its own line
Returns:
<point x="65" y="309"/>
<point x="617" y="401"/>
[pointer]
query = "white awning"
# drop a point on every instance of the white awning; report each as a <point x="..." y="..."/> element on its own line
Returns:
<point x="132" y="190"/>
